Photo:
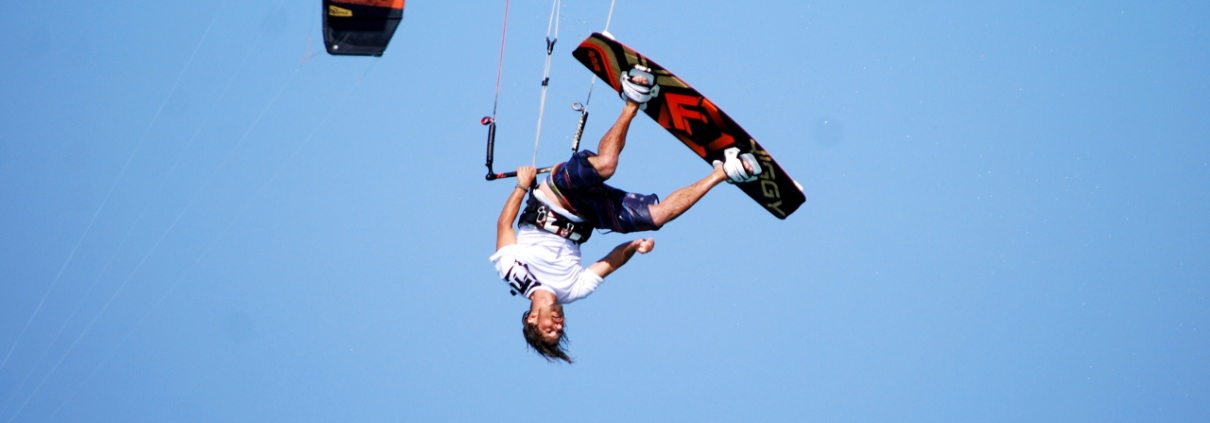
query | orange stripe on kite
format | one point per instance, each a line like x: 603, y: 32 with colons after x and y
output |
x: 392, y: 4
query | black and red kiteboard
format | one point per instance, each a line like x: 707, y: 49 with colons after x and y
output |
x: 695, y: 120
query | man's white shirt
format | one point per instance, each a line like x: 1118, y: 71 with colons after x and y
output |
x: 541, y: 260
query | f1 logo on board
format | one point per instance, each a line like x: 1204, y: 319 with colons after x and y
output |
x: 681, y: 111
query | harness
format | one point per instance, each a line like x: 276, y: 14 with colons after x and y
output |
x: 542, y: 217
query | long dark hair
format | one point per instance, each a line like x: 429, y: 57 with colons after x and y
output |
x: 551, y: 351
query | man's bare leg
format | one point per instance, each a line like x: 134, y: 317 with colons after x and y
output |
x: 606, y: 160
x: 682, y: 199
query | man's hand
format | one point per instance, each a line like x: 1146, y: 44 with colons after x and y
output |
x: 644, y: 246
x: 620, y: 255
x: 525, y: 176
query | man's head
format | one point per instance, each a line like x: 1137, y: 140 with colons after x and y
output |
x: 543, y: 331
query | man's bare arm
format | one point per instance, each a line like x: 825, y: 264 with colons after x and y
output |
x: 505, y: 234
x: 620, y: 255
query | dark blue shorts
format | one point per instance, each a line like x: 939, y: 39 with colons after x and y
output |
x: 605, y: 206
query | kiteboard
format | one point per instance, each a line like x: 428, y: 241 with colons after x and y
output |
x: 694, y: 120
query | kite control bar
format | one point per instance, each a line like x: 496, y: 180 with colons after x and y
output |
x: 513, y: 174
x: 491, y: 143
x: 491, y: 148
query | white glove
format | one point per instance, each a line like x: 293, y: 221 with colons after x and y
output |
x: 733, y: 165
x: 636, y: 92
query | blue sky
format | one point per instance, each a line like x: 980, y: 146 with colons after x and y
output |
x: 207, y: 218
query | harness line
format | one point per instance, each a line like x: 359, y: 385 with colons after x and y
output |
x: 552, y: 36
x: 583, y: 108
x: 550, y: 48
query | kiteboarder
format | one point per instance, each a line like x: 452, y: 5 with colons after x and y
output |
x: 540, y: 259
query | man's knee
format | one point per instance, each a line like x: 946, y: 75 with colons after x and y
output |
x: 659, y: 215
x: 605, y: 166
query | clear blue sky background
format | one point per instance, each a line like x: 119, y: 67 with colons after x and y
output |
x: 1007, y: 216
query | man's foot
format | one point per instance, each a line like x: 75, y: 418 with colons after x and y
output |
x: 740, y: 168
x: 638, y: 85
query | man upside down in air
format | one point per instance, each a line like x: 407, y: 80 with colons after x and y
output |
x: 540, y: 259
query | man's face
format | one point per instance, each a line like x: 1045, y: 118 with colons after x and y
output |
x: 549, y: 321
